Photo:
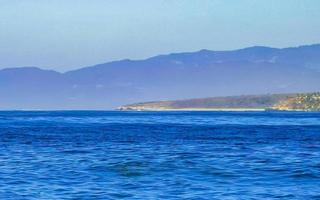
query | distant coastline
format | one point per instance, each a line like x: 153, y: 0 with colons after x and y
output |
x: 215, y: 110
x: 270, y: 102
x: 198, y: 109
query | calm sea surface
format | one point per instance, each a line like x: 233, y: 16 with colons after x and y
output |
x: 159, y: 155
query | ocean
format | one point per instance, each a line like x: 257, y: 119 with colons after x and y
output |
x: 159, y: 155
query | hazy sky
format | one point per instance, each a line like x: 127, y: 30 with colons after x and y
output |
x: 68, y: 34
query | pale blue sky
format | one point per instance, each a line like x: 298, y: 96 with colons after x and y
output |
x: 68, y: 34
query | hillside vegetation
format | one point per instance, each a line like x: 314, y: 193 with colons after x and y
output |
x: 307, y: 102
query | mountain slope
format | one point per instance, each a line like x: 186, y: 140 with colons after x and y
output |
x: 254, y: 70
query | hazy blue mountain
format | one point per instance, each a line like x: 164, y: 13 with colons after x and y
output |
x: 254, y: 70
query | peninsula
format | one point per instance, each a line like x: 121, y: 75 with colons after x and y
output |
x: 278, y: 102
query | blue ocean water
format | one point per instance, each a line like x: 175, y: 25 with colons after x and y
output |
x: 159, y: 155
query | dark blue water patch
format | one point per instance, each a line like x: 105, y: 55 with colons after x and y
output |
x: 167, y: 155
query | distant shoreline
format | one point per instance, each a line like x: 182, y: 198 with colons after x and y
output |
x: 214, y: 110
x: 166, y: 110
x: 201, y: 109
x: 303, y: 102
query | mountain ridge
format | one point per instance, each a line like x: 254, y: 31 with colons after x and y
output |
x: 169, y: 54
x: 251, y: 70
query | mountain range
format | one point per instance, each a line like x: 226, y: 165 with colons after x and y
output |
x: 205, y: 73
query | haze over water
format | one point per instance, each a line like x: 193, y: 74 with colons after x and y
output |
x: 152, y: 155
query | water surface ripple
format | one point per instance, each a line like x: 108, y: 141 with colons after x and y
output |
x: 159, y: 155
